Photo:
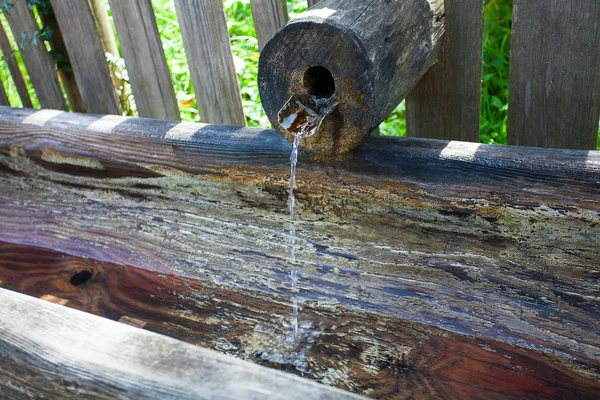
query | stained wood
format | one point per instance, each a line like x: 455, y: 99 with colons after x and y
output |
x: 375, y: 51
x: 446, y: 103
x: 145, y: 58
x: 554, y: 81
x: 494, y: 243
x: 268, y: 15
x: 38, y: 62
x: 208, y: 51
x: 53, y: 351
x: 359, y: 351
x: 87, y: 56
x: 67, y: 77
x: 13, y: 68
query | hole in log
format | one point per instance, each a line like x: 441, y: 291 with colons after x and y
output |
x: 319, y: 82
x: 81, y: 277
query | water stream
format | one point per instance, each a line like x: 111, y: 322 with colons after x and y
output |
x: 292, y: 209
x: 301, y: 116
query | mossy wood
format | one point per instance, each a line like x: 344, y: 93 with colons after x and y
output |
x: 375, y: 51
x: 428, y: 269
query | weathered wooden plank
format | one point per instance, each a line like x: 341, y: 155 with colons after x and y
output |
x: 208, y: 51
x: 3, y: 98
x: 360, y: 351
x: 145, y: 58
x: 495, y: 243
x: 268, y: 15
x: 87, y: 56
x: 13, y: 67
x: 554, y: 80
x: 56, y: 352
x: 67, y: 77
x: 38, y: 62
x: 352, y: 63
x: 446, y: 103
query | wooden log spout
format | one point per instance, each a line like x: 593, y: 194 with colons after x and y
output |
x: 360, y: 57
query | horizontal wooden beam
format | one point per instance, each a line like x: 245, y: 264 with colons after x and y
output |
x: 497, y: 243
x: 57, y: 352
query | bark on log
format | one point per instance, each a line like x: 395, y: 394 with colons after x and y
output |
x: 364, y: 56
x: 184, y: 228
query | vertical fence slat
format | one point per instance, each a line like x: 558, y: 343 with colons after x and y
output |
x: 208, y: 51
x: 67, y: 77
x: 37, y: 61
x: 446, y: 103
x: 268, y: 15
x: 87, y: 56
x: 13, y: 68
x: 145, y: 59
x: 554, y: 90
x: 3, y: 98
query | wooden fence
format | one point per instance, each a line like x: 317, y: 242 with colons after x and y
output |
x: 554, y: 81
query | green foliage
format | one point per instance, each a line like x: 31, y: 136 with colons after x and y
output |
x: 496, y: 56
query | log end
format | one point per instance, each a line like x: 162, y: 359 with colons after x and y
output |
x: 312, y: 58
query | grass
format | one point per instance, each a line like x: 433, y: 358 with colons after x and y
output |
x: 496, y: 53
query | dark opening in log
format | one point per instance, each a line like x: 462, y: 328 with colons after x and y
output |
x: 319, y: 82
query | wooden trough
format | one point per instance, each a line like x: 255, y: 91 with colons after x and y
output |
x: 427, y: 268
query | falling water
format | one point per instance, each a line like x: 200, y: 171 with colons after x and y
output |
x: 301, y: 117
x: 292, y: 208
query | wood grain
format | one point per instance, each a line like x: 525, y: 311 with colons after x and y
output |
x: 87, y: 57
x: 208, y: 51
x: 51, y: 351
x: 13, y: 67
x: 495, y: 243
x: 38, y: 62
x: 268, y: 15
x: 446, y: 103
x: 145, y: 58
x: 375, y: 51
x: 65, y: 72
x: 359, y: 351
x: 554, y: 80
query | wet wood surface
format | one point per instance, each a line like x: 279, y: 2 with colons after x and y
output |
x: 366, y: 353
x: 446, y: 255
x: 58, y: 353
